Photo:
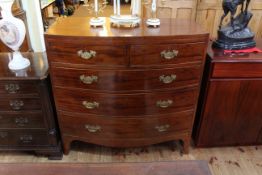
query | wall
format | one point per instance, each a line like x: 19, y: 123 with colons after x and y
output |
x: 209, y: 13
x: 205, y: 12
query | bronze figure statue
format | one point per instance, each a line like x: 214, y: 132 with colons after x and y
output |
x: 231, y: 6
x: 236, y: 34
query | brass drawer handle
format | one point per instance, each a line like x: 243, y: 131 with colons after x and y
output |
x: 168, y: 55
x: 167, y: 79
x: 3, y: 135
x: 162, y: 128
x: 88, y: 79
x: 164, y: 103
x: 12, y: 88
x: 90, y: 105
x: 21, y: 121
x: 86, y: 54
x: 93, y: 128
x: 16, y: 104
x: 26, y: 138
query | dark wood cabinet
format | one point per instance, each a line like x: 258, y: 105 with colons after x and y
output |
x: 230, y: 107
x: 27, y: 116
x: 126, y: 87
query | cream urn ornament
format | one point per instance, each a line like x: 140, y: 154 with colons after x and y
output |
x: 12, y: 34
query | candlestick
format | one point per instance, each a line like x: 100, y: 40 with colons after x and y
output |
x: 118, y: 7
x: 97, y: 21
x: 153, y: 21
x: 135, y: 6
x: 96, y: 6
x: 154, y: 6
x: 114, y: 7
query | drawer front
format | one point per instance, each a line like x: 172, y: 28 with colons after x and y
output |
x: 115, y: 127
x: 123, y: 80
x: 84, y: 101
x: 22, y: 120
x: 23, y: 138
x: 167, y: 54
x: 19, y: 104
x: 18, y: 87
x: 237, y: 70
x: 78, y: 53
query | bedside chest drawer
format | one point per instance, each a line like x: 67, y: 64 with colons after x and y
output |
x: 138, y: 127
x: 27, y: 116
x: 124, y: 80
x: 22, y: 120
x: 83, y: 101
x: 237, y: 70
x: 18, y: 104
x: 18, y: 87
x: 76, y: 53
x: 166, y: 54
x: 23, y: 137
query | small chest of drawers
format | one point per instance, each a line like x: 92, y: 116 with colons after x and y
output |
x: 230, y: 108
x: 126, y: 87
x: 27, y: 118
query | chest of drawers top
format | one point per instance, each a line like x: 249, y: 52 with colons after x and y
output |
x: 38, y: 69
x: 79, y: 26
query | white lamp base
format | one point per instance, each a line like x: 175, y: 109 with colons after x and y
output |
x: 125, y: 21
x: 96, y: 22
x: 18, y: 62
x: 155, y: 22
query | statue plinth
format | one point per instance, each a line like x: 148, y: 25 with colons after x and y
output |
x: 237, y: 40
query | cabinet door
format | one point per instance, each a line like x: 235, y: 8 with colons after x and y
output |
x: 232, y: 113
x: 181, y: 9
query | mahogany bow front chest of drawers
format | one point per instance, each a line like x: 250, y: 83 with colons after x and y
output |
x: 125, y: 87
x: 27, y: 118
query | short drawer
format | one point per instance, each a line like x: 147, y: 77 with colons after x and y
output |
x: 21, y: 138
x: 127, y: 80
x: 145, y: 55
x: 22, y: 120
x: 19, y: 104
x: 237, y: 70
x: 18, y: 87
x: 75, y: 52
x: 84, y: 101
x: 125, y: 128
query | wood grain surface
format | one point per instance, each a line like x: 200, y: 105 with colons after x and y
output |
x: 229, y: 111
x: 136, y: 76
x: 27, y: 118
